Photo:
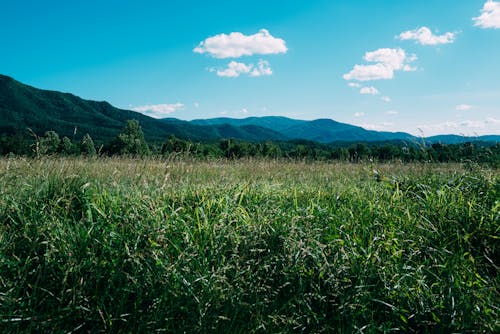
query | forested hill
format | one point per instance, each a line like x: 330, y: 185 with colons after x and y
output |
x: 23, y: 106
x: 319, y: 130
x: 330, y: 131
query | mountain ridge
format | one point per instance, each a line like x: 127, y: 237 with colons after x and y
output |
x: 23, y: 106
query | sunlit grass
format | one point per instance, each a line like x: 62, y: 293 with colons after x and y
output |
x: 123, y: 245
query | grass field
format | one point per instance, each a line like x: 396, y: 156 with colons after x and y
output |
x: 131, y: 246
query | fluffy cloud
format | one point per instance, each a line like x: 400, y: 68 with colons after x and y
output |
x: 490, y: 15
x: 465, y: 127
x: 463, y: 107
x: 354, y: 85
x: 359, y: 114
x: 262, y: 68
x: 159, y: 110
x: 235, y: 69
x: 424, y: 36
x: 387, y: 61
x: 384, y: 126
x: 370, y: 72
x: 369, y: 91
x: 391, y: 112
x: 236, y: 45
x: 492, y: 121
x: 386, y: 99
x: 393, y: 58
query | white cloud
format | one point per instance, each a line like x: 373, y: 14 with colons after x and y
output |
x: 387, y: 61
x: 463, y: 107
x: 159, y: 110
x: 386, y: 99
x: 359, y: 114
x: 262, y: 68
x: 490, y: 15
x: 465, y: 127
x: 369, y: 91
x: 394, y: 58
x: 370, y: 72
x: 391, y: 112
x: 384, y: 126
x: 473, y: 124
x: 235, y: 69
x: 493, y: 121
x: 237, y: 45
x: 354, y: 85
x: 424, y: 36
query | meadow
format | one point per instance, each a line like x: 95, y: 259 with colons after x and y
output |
x: 247, y: 246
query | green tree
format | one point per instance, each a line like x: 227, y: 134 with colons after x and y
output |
x: 87, y: 146
x: 49, y: 143
x: 67, y: 147
x: 131, y: 140
x: 176, y: 145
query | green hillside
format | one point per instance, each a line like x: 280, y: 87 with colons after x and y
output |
x: 23, y: 107
x: 455, y: 139
x: 320, y: 130
x: 277, y: 123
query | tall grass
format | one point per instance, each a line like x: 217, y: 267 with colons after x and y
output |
x: 120, y: 245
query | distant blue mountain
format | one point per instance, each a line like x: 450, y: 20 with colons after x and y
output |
x: 455, y: 139
x: 320, y: 130
x: 277, y: 123
x: 23, y: 107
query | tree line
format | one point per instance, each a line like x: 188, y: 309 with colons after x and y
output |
x: 130, y: 141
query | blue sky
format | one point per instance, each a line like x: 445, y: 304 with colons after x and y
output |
x: 418, y: 66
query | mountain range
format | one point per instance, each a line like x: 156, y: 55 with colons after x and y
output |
x: 23, y: 106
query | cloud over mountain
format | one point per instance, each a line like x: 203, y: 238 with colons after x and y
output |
x: 159, y: 110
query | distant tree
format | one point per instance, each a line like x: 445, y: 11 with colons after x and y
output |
x: 210, y: 150
x: 270, y: 150
x: 358, y: 152
x: 49, y: 143
x: 176, y: 145
x: 226, y: 146
x: 67, y: 147
x: 343, y: 154
x: 130, y: 140
x: 87, y: 146
x: 15, y: 144
x: 386, y: 152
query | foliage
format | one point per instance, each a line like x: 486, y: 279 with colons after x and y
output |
x: 23, y: 107
x: 67, y: 147
x: 87, y: 146
x: 130, y: 141
x: 49, y: 143
x: 247, y: 246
